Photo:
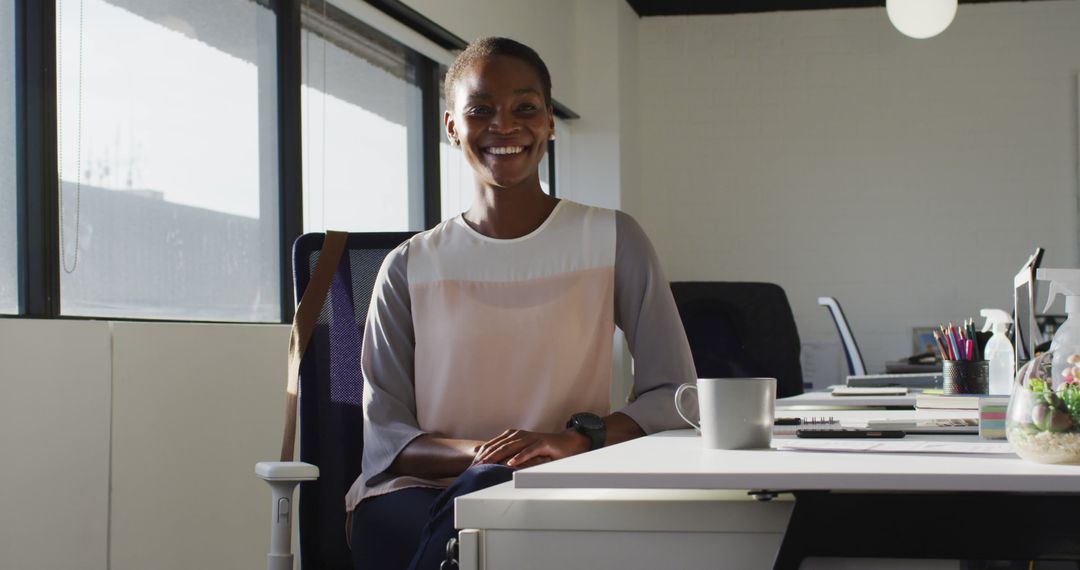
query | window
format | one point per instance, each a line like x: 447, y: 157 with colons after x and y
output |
x: 9, y: 268
x: 456, y: 178
x: 361, y: 127
x: 167, y: 153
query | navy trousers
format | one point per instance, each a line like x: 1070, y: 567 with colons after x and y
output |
x: 409, y: 529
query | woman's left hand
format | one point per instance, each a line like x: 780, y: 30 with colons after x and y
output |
x: 521, y: 448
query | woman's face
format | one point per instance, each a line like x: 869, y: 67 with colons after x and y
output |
x: 502, y: 121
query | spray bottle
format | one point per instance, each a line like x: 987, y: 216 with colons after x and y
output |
x: 999, y: 351
x: 1066, y: 343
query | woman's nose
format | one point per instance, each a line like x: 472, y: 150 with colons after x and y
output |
x: 504, y: 122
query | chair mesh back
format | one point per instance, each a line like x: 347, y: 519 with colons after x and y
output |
x: 741, y: 330
x: 331, y: 392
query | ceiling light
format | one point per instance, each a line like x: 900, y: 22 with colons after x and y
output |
x: 921, y: 18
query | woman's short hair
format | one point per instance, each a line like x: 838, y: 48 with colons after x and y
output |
x: 486, y: 47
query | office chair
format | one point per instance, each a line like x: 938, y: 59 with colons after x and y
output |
x: 741, y: 329
x: 855, y: 364
x: 330, y: 391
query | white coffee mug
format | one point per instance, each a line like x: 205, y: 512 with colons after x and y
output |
x: 736, y: 413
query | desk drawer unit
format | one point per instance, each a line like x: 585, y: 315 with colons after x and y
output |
x: 618, y: 529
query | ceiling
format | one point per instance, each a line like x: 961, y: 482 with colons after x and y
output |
x: 697, y: 7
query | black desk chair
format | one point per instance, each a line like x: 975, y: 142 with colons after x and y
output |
x: 741, y: 329
x: 331, y: 391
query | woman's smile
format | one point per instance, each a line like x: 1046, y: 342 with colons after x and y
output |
x: 504, y: 150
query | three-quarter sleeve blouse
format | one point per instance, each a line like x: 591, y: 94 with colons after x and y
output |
x: 468, y: 336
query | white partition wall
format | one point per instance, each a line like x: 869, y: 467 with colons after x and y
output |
x: 195, y: 407
x: 54, y: 439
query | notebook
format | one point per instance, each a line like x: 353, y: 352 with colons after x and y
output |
x: 947, y: 401
x: 940, y: 425
x: 869, y: 391
x: 788, y: 426
x: 913, y: 380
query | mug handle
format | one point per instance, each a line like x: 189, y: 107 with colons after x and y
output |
x: 678, y: 405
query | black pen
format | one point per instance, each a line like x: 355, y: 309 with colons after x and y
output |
x: 850, y: 433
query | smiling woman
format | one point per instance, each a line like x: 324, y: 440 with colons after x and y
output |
x: 488, y: 346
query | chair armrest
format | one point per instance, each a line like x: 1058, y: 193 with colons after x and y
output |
x: 286, y: 471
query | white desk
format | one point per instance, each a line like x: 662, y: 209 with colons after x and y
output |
x: 675, y: 460
x: 661, y: 501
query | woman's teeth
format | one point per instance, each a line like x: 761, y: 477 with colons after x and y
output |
x: 505, y: 149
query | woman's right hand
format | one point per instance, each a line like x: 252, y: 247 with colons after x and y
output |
x: 519, y: 448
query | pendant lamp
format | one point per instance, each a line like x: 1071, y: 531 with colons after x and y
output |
x: 921, y: 19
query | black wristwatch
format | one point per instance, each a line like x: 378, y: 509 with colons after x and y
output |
x: 591, y: 426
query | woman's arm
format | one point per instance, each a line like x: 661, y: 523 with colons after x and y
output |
x: 620, y: 428
x: 433, y: 457
x: 645, y: 311
x: 387, y: 360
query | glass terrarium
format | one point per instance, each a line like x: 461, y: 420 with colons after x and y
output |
x: 1043, y: 421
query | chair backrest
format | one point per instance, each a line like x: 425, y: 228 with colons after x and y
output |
x: 855, y: 363
x: 331, y: 389
x: 741, y: 329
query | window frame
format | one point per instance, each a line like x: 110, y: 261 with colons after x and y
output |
x: 37, y: 177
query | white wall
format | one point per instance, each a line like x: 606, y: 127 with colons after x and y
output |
x: 133, y: 445
x: 826, y: 152
x: 194, y: 408
x: 547, y: 27
x: 55, y: 381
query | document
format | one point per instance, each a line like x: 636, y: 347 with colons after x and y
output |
x: 892, y: 446
x: 867, y: 391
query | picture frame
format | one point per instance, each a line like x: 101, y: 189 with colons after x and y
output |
x: 922, y: 340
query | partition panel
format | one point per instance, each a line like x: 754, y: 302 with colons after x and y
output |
x: 54, y: 438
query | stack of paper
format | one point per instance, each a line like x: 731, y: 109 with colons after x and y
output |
x: 947, y: 401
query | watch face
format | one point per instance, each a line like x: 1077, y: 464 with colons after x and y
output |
x: 589, y: 421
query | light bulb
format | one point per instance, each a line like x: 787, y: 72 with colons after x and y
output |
x: 921, y: 19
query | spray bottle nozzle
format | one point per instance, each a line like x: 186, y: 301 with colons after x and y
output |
x: 1062, y: 282
x: 995, y: 319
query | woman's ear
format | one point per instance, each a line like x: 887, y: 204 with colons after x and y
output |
x: 451, y: 128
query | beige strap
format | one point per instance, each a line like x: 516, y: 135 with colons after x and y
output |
x: 307, y: 313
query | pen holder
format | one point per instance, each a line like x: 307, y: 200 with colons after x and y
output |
x: 966, y: 376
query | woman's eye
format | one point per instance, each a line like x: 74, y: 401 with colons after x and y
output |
x: 527, y: 107
x: 480, y: 111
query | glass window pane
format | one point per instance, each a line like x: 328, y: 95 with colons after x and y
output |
x: 362, y: 134
x: 456, y: 177
x: 9, y: 286
x: 168, y: 159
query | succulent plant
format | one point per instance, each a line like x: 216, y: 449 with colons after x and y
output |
x: 1040, y: 415
x: 1058, y: 421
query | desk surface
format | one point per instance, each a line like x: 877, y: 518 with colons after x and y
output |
x: 675, y: 460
